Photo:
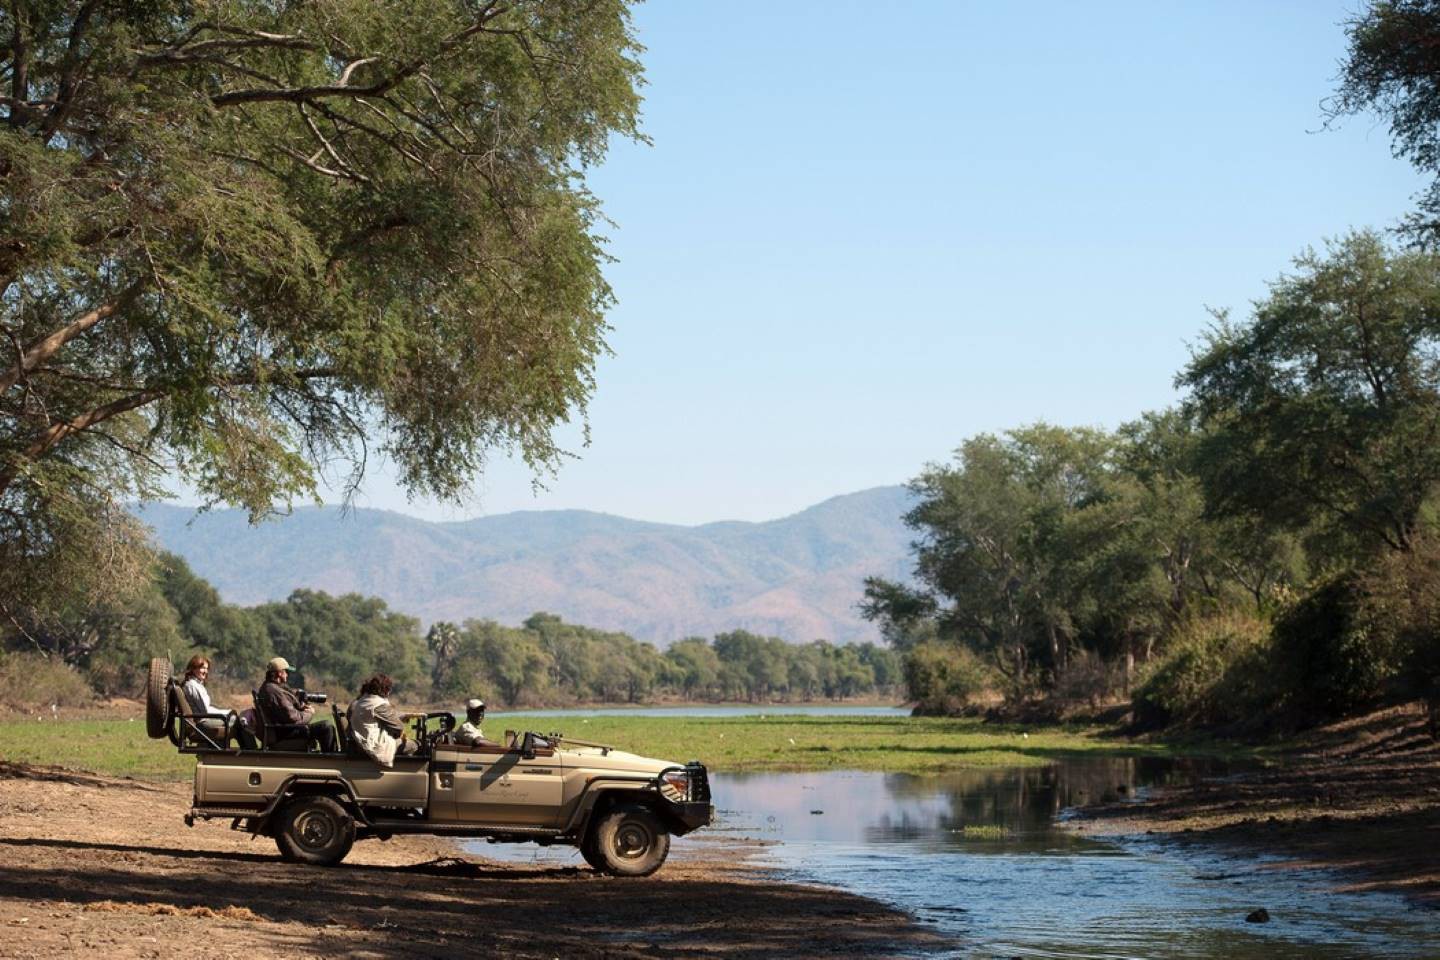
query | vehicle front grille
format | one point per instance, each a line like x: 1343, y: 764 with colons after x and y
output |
x: 699, y: 782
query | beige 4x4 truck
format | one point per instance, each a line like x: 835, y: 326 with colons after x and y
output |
x: 618, y: 808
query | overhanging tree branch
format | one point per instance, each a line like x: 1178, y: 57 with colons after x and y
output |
x: 43, y: 349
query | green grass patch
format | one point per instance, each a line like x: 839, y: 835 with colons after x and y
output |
x: 725, y: 744
x: 115, y: 747
x: 893, y: 744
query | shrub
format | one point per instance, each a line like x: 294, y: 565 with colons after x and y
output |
x: 30, y: 681
x: 944, y: 677
x: 1215, y: 671
x: 1086, y: 677
x: 1338, y: 647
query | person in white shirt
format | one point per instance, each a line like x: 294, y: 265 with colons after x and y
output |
x: 469, y: 732
x: 208, y: 717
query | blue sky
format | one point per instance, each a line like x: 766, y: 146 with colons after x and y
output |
x: 865, y: 232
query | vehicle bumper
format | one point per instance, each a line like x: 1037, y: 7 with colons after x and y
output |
x: 692, y: 815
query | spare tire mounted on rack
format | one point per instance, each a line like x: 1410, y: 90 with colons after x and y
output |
x: 157, y: 698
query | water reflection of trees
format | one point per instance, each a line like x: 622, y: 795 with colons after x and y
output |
x: 1022, y: 801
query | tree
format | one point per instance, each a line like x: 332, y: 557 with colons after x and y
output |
x: 511, y: 659
x: 1325, y: 407
x: 1005, y: 537
x: 697, y: 665
x: 443, y: 642
x: 1393, y: 69
x: 241, y: 239
x: 232, y: 635
x: 345, y: 639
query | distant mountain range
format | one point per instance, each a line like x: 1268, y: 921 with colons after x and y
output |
x: 799, y: 577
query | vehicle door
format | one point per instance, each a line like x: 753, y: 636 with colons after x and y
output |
x: 444, y: 763
x: 508, y: 786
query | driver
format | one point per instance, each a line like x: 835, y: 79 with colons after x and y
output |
x: 469, y: 732
x: 375, y: 726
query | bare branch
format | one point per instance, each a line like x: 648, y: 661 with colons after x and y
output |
x: 52, y: 435
x: 379, y: 88
x: 328, y: 148
x: 43, y: 349
x: 352, y: 65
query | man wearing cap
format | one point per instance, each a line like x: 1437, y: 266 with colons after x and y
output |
x: 469, y: 732
x: 282, y: 707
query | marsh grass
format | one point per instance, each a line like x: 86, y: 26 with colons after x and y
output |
x: 725, y: 744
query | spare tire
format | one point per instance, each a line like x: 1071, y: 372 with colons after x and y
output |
x: 157, y: 698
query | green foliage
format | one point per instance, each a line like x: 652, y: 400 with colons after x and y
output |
x: 235, y: 638
x: 1393, y: 69
x: 250, y: 240
x: 1216, y: 670
x: 511, y: 661
x: 944, y: 678
x: 1056, y: 553
x: 1322, y: 410
x: 1337, y: 647
x: 343, y: 639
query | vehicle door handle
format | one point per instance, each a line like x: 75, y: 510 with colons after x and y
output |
x: 474, y: 766
x: 447, y: 780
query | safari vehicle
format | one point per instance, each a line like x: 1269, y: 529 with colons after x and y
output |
x: 619, y: 809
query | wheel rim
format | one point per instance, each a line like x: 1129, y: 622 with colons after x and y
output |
x: 632, y: 841
x: 315, y: 829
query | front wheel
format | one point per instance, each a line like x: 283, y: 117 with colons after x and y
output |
x: 315, y: 830
x: 629, y: 842
x: 592, y: 855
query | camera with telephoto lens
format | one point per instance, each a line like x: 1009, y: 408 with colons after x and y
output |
x: 312, y: 697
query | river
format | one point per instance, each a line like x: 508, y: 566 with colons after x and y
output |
x: 981, y: 856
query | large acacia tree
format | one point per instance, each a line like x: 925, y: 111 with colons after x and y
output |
x: 1392, y: 69
x: 1323, y: 409
x: 254, y: 240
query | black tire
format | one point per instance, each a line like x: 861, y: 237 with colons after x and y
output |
x: 157, y: 698
x: 630, y: 842
x: 591, y: 855
x: 315, y: 830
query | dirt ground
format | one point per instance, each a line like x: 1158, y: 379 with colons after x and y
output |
x: 1361, y: 797
x: 94, y: 865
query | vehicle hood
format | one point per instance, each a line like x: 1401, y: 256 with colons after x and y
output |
x: 617, y: 760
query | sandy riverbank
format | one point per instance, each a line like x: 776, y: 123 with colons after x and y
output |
x: 1361, y: 797
x: 94, y: 865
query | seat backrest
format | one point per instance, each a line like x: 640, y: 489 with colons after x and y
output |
x: 262, y: 728
x: 342, y: 729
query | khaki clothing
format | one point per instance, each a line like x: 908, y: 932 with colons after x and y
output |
x: 376, y: 727
x: 469, y: 733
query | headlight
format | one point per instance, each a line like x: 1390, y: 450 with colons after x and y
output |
x: 675, y: 786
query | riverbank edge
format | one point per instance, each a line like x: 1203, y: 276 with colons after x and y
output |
x: 1360, y: 797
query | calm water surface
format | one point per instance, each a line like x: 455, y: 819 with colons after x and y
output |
x: 977, y: 854
x: 724, y: 710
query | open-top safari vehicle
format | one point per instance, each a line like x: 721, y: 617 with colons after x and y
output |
x: 618, y: 808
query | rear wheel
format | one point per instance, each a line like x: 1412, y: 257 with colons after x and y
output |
x: 157, y: 698
x: 315, y: 830
x: 629, y: 841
